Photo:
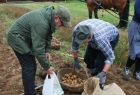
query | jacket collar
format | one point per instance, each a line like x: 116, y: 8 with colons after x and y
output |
x: 49, y: 15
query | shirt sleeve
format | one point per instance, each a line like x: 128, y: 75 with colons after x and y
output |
x: 137, y: 7
x: 105, y: 47
x: 48, y: 42
x: 38, y: 35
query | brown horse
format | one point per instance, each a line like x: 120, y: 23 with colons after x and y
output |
x: 94, y: 5
x: 3, y: 1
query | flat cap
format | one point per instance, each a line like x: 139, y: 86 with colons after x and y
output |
x: 64, y: 15
x: 81, y: 33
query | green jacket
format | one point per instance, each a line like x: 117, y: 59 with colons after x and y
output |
x: 32, y: 34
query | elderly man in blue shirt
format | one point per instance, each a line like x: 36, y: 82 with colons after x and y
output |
x: 134, y: 44
x: 102, y: 38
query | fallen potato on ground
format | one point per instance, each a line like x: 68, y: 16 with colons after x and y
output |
x: 55, y: 44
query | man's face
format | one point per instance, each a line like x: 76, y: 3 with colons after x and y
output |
x: 88, y: 39
x: 58, y: 21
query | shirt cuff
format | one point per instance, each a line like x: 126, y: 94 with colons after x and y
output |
x: 108, y: 62
x: 74, y: 50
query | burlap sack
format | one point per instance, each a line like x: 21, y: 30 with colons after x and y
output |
x: 91, y: 87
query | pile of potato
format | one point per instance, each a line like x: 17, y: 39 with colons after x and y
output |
x: 72, y: 79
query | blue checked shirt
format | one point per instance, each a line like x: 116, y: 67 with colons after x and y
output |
x: 102, y: 34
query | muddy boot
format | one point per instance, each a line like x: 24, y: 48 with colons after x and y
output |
x: 137, y: 69
x: 126, y: 73
x: 137, y: 75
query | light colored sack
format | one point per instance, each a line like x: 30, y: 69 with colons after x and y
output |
x: 91, y: 87
x: 52, y: 86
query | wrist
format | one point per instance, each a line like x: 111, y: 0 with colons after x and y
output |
x: 46, y: 68
x: 106, y: 67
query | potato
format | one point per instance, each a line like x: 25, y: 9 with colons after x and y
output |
x: 72, y: 79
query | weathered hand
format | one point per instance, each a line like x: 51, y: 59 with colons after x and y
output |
x: 75, y: 55
x: 76, y: 63
x: 102, y: 79
x: 45, y: 72
x: 50, y: 71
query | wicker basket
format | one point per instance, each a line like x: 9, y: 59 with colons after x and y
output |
x: 77, y: 88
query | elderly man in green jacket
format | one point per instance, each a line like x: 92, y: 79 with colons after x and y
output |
x: 30, y: 36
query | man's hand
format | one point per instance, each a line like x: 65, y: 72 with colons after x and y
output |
x: 102, y: 79
x: 50, y: 71
x: 76, y: 64
x: 45, y: 72
x: 75, y: 55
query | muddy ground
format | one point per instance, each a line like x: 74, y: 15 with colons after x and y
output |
x: 10, y: 73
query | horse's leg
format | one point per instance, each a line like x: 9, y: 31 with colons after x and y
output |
x: 96, y: 13
x: 124, y: 15
x: 123, y: 19
x: 120, y: 21
x: 90, y: 14
x: 90, y: 9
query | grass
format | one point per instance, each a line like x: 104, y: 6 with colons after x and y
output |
x: 121, y: 51
x: 10, y: 12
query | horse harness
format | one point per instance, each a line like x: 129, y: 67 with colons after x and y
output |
x: 98, y: 3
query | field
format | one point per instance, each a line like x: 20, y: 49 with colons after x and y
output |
x: 10, y: 71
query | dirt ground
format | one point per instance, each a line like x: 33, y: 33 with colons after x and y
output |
x: 10, y: 77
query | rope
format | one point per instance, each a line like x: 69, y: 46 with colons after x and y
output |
x: 109, y: 11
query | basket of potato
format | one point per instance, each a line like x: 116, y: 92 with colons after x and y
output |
x: 71, y: 80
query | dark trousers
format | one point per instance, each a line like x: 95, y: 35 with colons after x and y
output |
x: 95, y: 58
x: 28, y: 66
x: 130, y: 62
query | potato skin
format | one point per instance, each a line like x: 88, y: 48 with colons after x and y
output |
x: 72, y: 79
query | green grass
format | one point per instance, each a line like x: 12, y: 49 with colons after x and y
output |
x: 10, y: 12
x: 121, y: 51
